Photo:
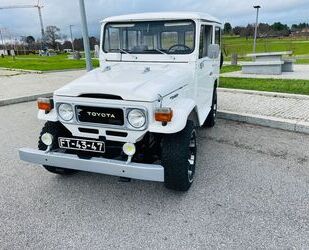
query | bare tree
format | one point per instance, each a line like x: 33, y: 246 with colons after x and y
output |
x: 52, y: 33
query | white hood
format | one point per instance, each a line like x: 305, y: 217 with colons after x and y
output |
x: 131, y: 81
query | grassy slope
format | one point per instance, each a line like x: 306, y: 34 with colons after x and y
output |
x: 242, y: 46
x: 271, y: 85
x: 34, y: 62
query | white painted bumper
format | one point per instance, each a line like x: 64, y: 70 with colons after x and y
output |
x: 149, y: 172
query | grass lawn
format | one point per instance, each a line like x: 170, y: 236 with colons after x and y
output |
x: 302, y: 61
x: 243, y: 46
x: 35, y: 62
x: 230, y: 68
x: 271, y: 85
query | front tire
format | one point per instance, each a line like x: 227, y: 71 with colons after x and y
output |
x: 179, y: 158
x: 56, y: 129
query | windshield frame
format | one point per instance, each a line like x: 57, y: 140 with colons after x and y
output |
x: 152, y: 52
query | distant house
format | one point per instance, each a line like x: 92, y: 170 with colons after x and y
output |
x: 303, y: 32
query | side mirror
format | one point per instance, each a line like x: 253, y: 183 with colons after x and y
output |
x: 213, y: 51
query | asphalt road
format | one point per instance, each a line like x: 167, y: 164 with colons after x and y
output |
x: 251, y: 191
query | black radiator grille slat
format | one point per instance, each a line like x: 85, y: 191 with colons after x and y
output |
x: 100, y: 115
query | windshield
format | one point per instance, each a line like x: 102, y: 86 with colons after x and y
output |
x: 153, y: 37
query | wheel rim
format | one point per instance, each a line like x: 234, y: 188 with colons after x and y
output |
x: 192, y: 156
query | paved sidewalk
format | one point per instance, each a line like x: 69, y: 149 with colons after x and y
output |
x: 14, y: 84
x: 301, y: 72
x: 289, y: 112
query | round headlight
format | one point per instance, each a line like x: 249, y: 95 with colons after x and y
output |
x: 136, y: 118
x: 65, y: 111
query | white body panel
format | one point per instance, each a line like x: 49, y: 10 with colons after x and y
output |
x: 184, y: 83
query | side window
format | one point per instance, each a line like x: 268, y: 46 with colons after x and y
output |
x: 218, y: 36
x: 205, y: 40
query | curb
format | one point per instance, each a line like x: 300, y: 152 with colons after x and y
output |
x: 22, y: 70
x: 266, y: 121
x: 23, y: 99
x: 41, y: 71
x: 62, y: 70
x: 265, y: 93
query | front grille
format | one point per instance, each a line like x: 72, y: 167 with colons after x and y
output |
x: 110, y: 116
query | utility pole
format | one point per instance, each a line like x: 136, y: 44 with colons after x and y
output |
x: 257, y: 7
x: 2, y: 40
x: 85, y: 35
x: 72, y: 41
x: 41, y: 21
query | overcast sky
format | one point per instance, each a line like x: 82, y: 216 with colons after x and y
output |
x: 62, y: 13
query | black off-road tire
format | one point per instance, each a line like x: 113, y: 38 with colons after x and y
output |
x: 211, y: 118
x: 175, y: 155
x: 57, y: 130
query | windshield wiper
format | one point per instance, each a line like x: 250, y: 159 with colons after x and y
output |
x: 126, y: 52
x: 162, y: 52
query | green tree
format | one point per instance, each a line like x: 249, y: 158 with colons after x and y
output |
x: 227, y: 28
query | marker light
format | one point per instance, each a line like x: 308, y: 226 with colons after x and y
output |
x: 163, y: 114
x: 129, y: 149
x: 45, y: 104
x: 47, y: 139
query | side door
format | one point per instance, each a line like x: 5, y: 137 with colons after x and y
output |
x: 204, y: 72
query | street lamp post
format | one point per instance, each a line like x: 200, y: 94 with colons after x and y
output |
x: 72, y: 41
x: 85, y: 35
x: 257, y: 7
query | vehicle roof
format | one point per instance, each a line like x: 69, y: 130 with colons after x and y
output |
x: 147, y: 16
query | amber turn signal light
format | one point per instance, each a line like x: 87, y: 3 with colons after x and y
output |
x: 45, y: 104
x: 163, y: 114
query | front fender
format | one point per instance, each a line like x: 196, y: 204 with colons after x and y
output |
x: 51, y: 116
x: 182, y: 108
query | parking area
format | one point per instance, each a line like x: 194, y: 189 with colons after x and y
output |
x: 251, y: 191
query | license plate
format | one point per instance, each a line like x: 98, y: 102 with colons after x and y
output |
x: 82, y: 145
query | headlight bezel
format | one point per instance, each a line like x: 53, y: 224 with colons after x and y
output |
x: 59, y: 105
x: 130, y: 125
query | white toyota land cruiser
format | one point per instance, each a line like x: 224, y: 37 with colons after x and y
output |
x: 136, y: 115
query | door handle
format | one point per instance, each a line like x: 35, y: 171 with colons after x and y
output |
x: 211, y: 73
x: 202, y: 65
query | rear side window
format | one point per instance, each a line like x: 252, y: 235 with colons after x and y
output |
x: 218, y: 36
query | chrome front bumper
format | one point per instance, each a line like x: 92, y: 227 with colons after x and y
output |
x: 149, y: 172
